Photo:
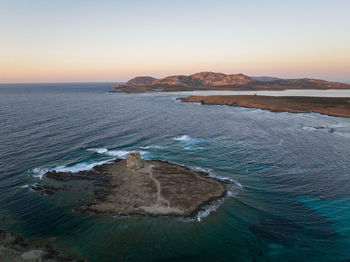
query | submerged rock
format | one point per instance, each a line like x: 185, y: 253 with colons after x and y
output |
x: 33, y: 254
x: 14, y: 248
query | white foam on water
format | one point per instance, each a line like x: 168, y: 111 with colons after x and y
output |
x: 281, y: 142
x: 188, y: 139
x: 238, y: 184
x: 83, y: 166
x: 98, y: 150
x: 209, y: 208
x: 24, y: 186
x: 123, y: 153
x: 231, y: 191
x: 183, y: 138
x: 115, y: 153
x: 204, y: 213
x: 86, y: 165
x: 309, y: 128
x: 200, y: 169
x: 323, y: 127
x: 190, y: 148
x: 152, y: 147
x: 39, y: 172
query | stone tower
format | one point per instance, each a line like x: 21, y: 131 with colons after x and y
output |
x: 133, y: 161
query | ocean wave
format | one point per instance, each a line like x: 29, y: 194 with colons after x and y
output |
x: 98, y: 150
x: 152, y: 147
x: 324, y: 129
x: 188, y: 139
x: 39, y: 172
x: 123, y: 153
x: 280, y: 142
x: 212, y: 174
x: 213, y: 206
x: 258, y: 110
x: 206, y: 211
x: 189, y: 148
x: 232, y: 187
x: 182, y: 138
x: 115, y: 153
x: 200, y: 169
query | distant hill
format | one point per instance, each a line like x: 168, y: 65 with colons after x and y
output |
x: 264, y: 78
x: 140, y: 80
x: 220, y: 81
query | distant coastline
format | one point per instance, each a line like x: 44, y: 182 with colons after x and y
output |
x: 218, y: 81
x: 332, y: 106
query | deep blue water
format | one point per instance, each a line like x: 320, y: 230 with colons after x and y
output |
x: 291, y: 200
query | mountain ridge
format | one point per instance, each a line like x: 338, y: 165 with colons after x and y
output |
x: 221, y: 81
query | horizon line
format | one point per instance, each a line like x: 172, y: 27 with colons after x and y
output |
x: 123, y: 82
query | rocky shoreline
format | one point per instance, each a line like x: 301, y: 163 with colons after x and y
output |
x: 14, y: 248
x: 332, y: 106
x: 134, y: 186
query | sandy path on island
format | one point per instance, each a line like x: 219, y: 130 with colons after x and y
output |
x: 162, y: 205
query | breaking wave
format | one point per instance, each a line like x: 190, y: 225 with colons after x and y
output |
x: 153, y: 147
x: 186, y: 139
x: 232, y: 187
x: 115, y: 153
x: 98, y: 150
x: 39, y: 172
x: 325, y: 128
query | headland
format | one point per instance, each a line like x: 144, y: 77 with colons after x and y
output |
x: 333, y: 106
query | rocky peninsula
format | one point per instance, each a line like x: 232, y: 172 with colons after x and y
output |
x: 333, y: 106
x: 220, y: 81
x: 134, y: 186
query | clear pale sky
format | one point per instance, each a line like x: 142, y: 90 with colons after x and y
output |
x: 85, y: 40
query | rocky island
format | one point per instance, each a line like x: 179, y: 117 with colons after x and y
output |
x: 220, y: 81
x: 333, y: 106
x: 134, y: 186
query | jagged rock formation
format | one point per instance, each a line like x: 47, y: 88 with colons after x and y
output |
x: 220, y: 81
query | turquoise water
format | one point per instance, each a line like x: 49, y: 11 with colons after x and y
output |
x: 290, y: 199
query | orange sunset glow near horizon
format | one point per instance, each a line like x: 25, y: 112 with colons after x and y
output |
x: 108, y: 41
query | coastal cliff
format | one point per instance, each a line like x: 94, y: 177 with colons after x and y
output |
x: 220, y: 81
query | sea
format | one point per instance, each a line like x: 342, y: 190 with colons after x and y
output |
x: 289, y: 198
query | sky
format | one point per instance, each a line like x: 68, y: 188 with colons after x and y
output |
x: 106, y: 41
